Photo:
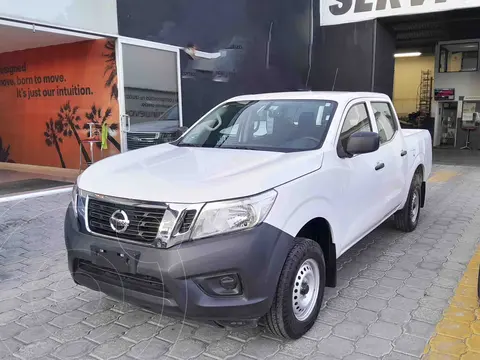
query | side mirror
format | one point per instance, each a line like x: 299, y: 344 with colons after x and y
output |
x: 363, y: 143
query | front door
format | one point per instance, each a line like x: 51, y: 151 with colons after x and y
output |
x: 359, y: 179
x: 151, y: 110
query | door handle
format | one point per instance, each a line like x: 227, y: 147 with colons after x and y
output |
x: 403, y: 153
x: 379, y: 166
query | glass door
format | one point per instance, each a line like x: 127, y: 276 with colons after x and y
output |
x: 149, y: 93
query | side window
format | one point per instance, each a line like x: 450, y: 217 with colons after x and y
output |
x: 386, y: 122
x: 357, y: 120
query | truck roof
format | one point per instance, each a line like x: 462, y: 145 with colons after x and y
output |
x: 339, y: 96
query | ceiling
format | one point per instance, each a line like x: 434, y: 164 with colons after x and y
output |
x: 20, y: 38
x: 423, y: 31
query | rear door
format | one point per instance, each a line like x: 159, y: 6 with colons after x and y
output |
x: 392, y: 151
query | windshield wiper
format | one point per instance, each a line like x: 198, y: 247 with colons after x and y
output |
x: 189, y: 145
x: 237, y: 147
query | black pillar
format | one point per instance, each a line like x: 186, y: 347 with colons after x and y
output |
x: 353, y: 57
x: 383, y: 66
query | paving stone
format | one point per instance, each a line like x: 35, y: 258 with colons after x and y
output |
x: 244, y: 335
x: 117, y: 347
x: 318, y: 331
x: 372, y: 303
x: 382, y: 292
x: 37, y: 318
x: 300, y: 348
x: 36, y: 333
x: 350, y: 330
x: 210, y: 334
x: 427, y: 315
x: 390, y: 282
x: 71, y: 333
x: 411, y: 345
x: 9, y: 330
x: 134, y: 318
x: 37, y: 349
x: 68, y: 319
x: 142, y: 332
x: 419, y: 329
x: 373, y: 346
x: 411, y: 292
x: 224, y: 348
x: 261, y: 348
x: 385, y: 330
x: 186, y: 349
x: 363, y: 283
x: 176, y: 332
x: 433, y: 303
x: 102, y: 318
x: 394, y: 316
x: 336, y: 347
x: 402, y: 303
x: 353, y: 292
x: 106, y: 333
x: 362, y: 316
x: 74, y: 350
x: 341, y: 304
x: 9, y: 347
x: 439, y: 292
x: 331, y: 317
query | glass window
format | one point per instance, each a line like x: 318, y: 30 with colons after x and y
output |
x: 386, y: 123
x: 277, y: 125
x: 458, y: 57
x: 357, y: 120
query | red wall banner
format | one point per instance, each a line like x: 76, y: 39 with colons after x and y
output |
x: 49, y: 95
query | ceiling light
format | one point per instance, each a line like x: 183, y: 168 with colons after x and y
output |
x: 410, y: 54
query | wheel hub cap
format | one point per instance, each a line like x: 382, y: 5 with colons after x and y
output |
x: 305, y: 289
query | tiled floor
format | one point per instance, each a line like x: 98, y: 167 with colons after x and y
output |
x: 393, y: 290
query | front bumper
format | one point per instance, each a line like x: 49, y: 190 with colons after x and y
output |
x: 167, y: 280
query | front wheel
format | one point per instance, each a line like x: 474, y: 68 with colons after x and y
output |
x: 300, y: 291
x: 407, y: 219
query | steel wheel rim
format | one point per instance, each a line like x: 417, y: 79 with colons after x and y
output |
x: 415, y: 207
x: 305, y: 289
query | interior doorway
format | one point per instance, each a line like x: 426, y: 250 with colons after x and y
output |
x: 448, y: 120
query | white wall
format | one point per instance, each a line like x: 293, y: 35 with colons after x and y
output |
x: 93, y: 15
x: 464, y: 83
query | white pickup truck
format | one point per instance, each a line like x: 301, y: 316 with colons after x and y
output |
x: 245, y: 215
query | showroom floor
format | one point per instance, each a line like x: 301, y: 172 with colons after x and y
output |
x: 397, y: 295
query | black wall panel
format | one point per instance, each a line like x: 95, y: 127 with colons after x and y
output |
x: 345, y: 50
x: 268, y: 43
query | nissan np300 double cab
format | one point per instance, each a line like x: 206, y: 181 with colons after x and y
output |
x: 244, y: 216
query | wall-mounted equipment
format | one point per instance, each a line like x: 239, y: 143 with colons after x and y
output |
x: 444, y: 94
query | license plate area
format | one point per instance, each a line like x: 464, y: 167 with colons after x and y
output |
x: 117, y: 259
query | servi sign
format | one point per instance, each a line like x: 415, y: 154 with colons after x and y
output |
x: 333, y: 12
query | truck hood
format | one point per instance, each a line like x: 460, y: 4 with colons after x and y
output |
x: 167, y: 173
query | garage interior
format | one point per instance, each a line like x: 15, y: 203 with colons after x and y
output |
x: 417, y: 76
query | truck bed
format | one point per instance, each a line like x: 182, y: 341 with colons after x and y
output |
x: 419, y: 142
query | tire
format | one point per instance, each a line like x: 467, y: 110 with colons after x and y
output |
x: 404, y: 219
x: 282, y: 320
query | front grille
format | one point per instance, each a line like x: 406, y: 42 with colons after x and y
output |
x: 144, y: 221
x: 141, y: 140
x: 137, y: 282
x: 187, y: 221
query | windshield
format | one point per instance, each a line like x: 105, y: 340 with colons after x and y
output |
x: 279, y: 125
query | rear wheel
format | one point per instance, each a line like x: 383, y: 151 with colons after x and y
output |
x: 407, y: 219
x: 300, y: 291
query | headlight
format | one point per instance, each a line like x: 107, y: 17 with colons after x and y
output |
x: 227, y: 216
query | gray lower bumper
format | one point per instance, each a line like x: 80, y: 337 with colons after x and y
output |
x: 256, y: 256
